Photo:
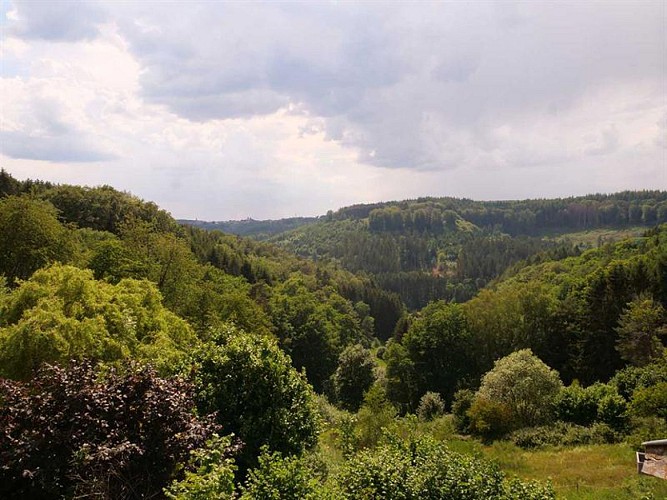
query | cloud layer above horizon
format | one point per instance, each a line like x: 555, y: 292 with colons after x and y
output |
x: 219, y: 110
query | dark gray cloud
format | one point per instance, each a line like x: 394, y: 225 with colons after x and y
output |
x: 67, y: 148
x: 46, y: 136
x: 57, y: 20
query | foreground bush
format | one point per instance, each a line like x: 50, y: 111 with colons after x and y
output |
x: 283, y: 478
x: 210, y: 475
x: 256, y: 394
x: 77, y: 432
x: 407, y: 469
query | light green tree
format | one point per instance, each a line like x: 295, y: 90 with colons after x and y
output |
x: 62, y: 313
x: 524, y: 385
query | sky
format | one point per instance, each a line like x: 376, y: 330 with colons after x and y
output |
x: 228, y: 110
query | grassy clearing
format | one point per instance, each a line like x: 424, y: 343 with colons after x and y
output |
x: 591, y: 239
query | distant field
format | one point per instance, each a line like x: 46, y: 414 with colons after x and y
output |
x: 582, y: 472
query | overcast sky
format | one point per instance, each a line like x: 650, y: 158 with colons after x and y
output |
x: 228, y: 110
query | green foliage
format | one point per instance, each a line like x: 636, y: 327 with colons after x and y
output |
x: 650, y: 401
x: 490, y: 419
x: 462, y: 402
x: 104, y: 208
x: 401, y: 377
x: 440, y: 346
x: 567, y: 311
x: 77, y: 433
x: 111, y: 261
x: 628, y: 380
x: 521, y: 384
x: 640, y: 328
x: 421, y: 468
x: 354, y: 376
x: 30, y: 237
x: 283, y: 478
x: 515, y: 489
x: 595, y: 403
x: 313, y: 327
x: 256, y: 394
x: 612, y: 410
x: 577, y: 405
x: 256, y: 229
x: 563, y: 434
x: 210, y: 473
x: 375, y: 415
x: 645, y: 429
x: 430, y: 406
x: 444, y: 248
x: 63, y: 313
x: 513, y: 318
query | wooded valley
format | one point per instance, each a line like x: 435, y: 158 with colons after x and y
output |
x: 379, y: 351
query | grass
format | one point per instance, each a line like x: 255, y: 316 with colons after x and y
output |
x: 582, y: 472
x: 605, y: 472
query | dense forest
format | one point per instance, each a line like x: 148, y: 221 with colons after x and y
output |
x: 447, y: 248
x: 359, y: 355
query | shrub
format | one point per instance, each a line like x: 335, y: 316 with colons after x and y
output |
x: 430, y: 406
x: 646, y: 429
x: 576, y: 405
x: 422, y: 468
x: 612, y: 410
x: 210, y: 475
x: 77, y: 432
x: 629, y: 379
x: 375, y: 414
x: 462, y: 401
x: 563, y: 434
x: 596, y: 403
x: 490, y: 419
x: 62, y: 312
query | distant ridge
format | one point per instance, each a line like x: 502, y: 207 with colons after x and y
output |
x: 258, y: 229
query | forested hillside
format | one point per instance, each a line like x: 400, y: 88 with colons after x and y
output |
x: 446, y: 248
x: 143, y: 358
